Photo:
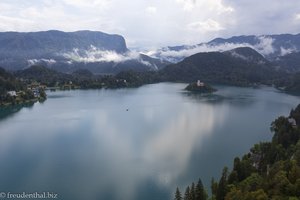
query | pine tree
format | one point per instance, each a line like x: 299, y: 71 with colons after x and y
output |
x: 222, y: 187
x: 178, y: 195
x: 200, y: 192
x: 214, y: 188
x: 192, y: 192
x: 187, y: 194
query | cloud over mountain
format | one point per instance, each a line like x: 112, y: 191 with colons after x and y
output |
x: 96, y: 55
x: 263, y: 46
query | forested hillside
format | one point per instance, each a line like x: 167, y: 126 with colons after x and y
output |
x: 270, y: 170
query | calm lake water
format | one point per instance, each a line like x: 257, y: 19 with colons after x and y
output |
x: 85, y: 144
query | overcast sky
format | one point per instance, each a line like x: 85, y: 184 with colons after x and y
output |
x: 154, y: 23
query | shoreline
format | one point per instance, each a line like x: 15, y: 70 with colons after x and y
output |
x: 11, y: 104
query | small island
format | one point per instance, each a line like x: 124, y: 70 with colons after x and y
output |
x: 200, y: 87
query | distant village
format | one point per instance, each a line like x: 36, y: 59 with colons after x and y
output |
x: 36, y: 91
x: 35, y: 88
x: 33, y: 92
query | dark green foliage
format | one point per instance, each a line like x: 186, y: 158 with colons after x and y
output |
x: 85, y: 79
x: 271, y: 170
x: 192, y: 192
x: 291, y: 84
x: 43, y: 75
x: 289, y: 62
x: 237, y: 173
x: 197, y: 192
x: 178, y: 195
x: 27, y: 95
x: 222, y: 186
x: 8, y: 82
x: 43, y: 94
x: 233, y: 177
x: 284, y: 133
x: 187, y: 193
x: 214, y: 188
x: 295, y: 113
x: 200, y: 193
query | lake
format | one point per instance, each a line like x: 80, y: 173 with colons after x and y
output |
x: 132, y: 144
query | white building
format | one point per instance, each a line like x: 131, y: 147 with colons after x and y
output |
x: 12, y: 93
x: 200, y: 84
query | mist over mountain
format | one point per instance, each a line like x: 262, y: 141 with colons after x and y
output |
x: 290, y: 62
x: 103, y: 53
x: 68, y: 51
x: 270, y: 46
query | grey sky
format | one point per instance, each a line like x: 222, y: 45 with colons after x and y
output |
x: 154, y: 23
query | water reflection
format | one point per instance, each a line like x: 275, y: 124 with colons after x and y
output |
x: 173, y: 144
x: 223, y: 95
x: 10, y: 110
x: 87, y: 145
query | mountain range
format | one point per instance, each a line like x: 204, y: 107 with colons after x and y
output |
x: 273, y: 47
x: 237, y: 60
x: 241, y: 66
x: 68, y: 51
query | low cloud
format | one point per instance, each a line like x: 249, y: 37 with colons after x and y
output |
x: 43, y: 60
x: 264, y: 46
x: 175, y: 56
x: 96, y: 55
x: 237, y: 55
x: 285, y: 51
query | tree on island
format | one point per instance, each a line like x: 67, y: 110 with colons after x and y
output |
x: 200, y: 87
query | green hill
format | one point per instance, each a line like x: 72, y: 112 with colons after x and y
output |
x: 242, y: 66
x: 292, y: 84
x: 8, y: 82
x: 43, y: 75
